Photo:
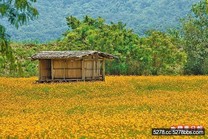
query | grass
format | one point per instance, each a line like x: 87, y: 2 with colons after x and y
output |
x: 121, y: 107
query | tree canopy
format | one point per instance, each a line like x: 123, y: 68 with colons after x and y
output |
x: 195, y: 31
x: 151, y: 55
x: 17, y: 13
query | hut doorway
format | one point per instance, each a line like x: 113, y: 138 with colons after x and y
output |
x: 45, y: 69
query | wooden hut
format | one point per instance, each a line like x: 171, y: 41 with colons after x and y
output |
x: 71, y: 65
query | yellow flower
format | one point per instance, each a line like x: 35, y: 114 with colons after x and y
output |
x: 121, y: 107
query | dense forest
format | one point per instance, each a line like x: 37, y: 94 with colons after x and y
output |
x: 175, y: 51
x: 140, y: 16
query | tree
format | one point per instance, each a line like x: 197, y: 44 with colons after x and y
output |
x: 17, y: 12
x: 161, y: 54
x: 195, y: 31
x: 155, y: 54
x: 207, y: 6
x: 95, y: 34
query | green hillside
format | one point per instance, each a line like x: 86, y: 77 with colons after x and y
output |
x: 140, y: 15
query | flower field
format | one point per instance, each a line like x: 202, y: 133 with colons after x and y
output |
x: 120, y: 107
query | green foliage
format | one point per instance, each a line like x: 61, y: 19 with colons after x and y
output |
x: 95, y: 34
x: 195, y: 29
x: 152, y: 55
x: 155, y: 54
x: 17, y: 12
x: 160, y: 54
x: 3, y: 40
x: 7, y: 59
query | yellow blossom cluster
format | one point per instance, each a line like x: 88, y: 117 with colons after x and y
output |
x: 120, y: 107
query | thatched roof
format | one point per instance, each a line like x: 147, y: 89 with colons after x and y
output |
x: 69, y: 54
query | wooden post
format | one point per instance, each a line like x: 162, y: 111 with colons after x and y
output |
x: 96, y: 67
x: 39, y: 67
x: 64, y: 69
x: 52, y: 71
x: 103, y: 69
x: 93, y: 68
x: 83, y: 70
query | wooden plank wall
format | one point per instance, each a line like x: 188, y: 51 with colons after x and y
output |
x: 67, y: 69
x: 92, y: 67
x: 89, y: 67
x: 73, y: 69
x: 58, y: 69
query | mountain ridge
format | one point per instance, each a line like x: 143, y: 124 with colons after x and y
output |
x: 140, y: 15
